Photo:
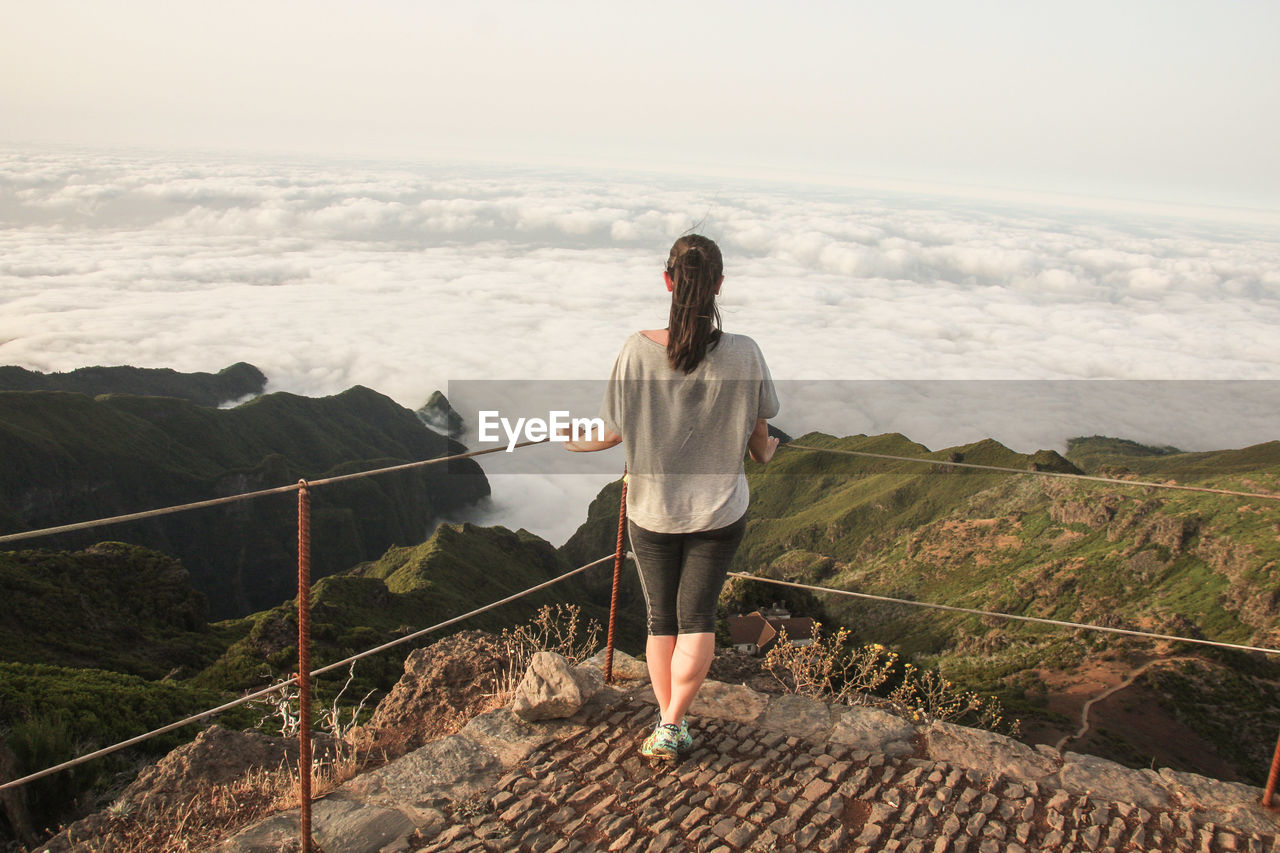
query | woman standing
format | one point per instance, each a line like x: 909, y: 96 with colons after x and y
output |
x: 687, y: 402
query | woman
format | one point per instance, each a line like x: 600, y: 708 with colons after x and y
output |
x: 686, y: 401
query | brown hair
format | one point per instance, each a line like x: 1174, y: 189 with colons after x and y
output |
x: 695, y: 267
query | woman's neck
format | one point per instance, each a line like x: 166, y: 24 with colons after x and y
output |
x: 658, y: 336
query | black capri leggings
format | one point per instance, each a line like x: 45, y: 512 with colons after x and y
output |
x: 682, y: 574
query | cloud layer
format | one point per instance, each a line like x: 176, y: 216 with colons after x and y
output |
x: 405, y: 278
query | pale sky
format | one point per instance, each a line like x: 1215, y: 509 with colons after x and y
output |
x: 1170, y: 100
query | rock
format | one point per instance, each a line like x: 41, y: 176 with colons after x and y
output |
x: 1201, y: 792
x: 986, y: 752
x: 276, y: 833
x: 507, y: 736
x: 339, y: 823
x: 797, y: 716
x: 625, y: 667
x: 217, y: 756
x: 452, y: 767
x: 552, y: 689
x: 443, y: 684
x: 1249, y: 817
x: 871, y: 730
x: 439, y: 416
x: 1102, y: 779
x: 728, y: 702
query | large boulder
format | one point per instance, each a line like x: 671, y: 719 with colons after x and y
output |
x: 443, y: 686
x: 553, y: 689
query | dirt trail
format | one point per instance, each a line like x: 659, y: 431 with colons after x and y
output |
x: 1112, y: 690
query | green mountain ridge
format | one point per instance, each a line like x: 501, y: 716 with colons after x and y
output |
x: 460, y: 567
x: 113, y: 606
x: 69, y: 457
x: 206, y: 389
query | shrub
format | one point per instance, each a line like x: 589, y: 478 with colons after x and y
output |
x: 554, y: 628
x: 831, y: 669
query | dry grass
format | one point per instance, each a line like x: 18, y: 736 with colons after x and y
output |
x: 829, y: 667
x: 217, y: 812
x: 554, y: 628
x: 199, y: 822
x: 213, y: 813
x: 832, y: 670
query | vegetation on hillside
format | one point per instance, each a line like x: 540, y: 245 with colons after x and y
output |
x: 113, y: 606
x: 1181, y: 563
x: 459, y: 568
x: 69, y: 457
x: 49, y: 714
x: 75, y: 623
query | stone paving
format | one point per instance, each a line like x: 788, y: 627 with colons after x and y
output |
x: 769, y: 773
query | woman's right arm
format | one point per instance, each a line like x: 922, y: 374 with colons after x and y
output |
x: 589, y: 445
x: 761, y: 445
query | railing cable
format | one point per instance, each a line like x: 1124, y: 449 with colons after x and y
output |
x: 244, y: 496
x: 1011, y: 616
x: 275, y: 688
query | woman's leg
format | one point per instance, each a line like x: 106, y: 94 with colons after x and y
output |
x: 658, y: 557
x: 689, y: 665
x: 707, y: 556
x: 658, y: 653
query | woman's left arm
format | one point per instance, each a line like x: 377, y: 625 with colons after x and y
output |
x: 761, y: 445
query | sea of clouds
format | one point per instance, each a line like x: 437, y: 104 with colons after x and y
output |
x: 409, y: 277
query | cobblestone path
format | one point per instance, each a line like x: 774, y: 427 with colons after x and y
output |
x: 745, y: 788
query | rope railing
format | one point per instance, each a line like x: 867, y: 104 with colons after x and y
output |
x: 1014, y: 617
x: 281, y: 685
x: 245, y: 496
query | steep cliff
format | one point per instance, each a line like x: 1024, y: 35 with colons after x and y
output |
x: 69, y: 457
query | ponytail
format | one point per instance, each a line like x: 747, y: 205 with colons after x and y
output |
x: 695, y: 267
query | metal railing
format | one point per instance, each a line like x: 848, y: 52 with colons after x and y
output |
x: 305, y: 674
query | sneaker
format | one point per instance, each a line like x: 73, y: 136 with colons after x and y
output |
x: 686, y: 740
x: 663, y: 743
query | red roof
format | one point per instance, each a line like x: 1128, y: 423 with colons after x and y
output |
x: 751, y: 629
x: 758, y: 630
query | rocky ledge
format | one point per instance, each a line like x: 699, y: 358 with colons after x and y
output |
x: 559, y: 771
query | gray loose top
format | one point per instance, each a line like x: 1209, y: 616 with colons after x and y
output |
x: 685, y: 435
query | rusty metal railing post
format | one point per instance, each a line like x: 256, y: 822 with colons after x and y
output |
x: 1271, y: 777
x: 617, y: 573
x: 304, y: 664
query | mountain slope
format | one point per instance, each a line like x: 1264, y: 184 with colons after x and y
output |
x: 459, y: 568
x: 205, y: 389
x: 112, y: 606
x: 1170, y: 562
x: 68, y: 457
